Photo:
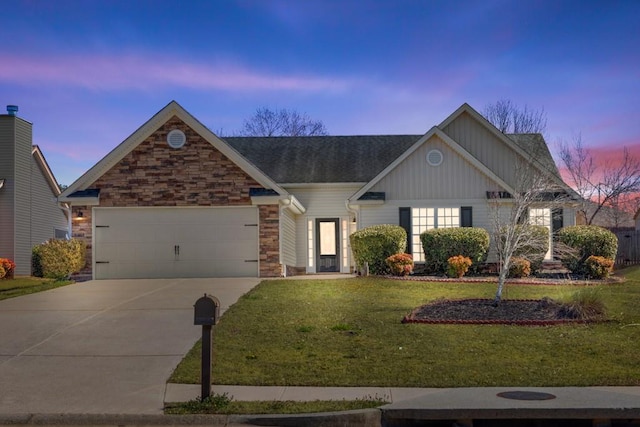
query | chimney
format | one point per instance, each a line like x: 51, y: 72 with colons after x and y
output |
x: 12, y: 110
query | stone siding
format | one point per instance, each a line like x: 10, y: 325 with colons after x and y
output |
x: 269, y: 241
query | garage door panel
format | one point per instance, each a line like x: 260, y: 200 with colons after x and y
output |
x: 175, y: 242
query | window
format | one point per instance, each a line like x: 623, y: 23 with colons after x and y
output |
x: 60, y: 233
x: 423, y: 219
x: 542, y: 216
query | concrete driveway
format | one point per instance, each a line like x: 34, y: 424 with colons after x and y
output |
x: 101, y: 347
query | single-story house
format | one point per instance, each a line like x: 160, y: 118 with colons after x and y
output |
x: 176, y: 200
x: 29, y: 209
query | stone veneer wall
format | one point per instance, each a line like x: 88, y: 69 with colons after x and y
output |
x: 269, y: 216
x: 81, y: 230
x: 154, y: 174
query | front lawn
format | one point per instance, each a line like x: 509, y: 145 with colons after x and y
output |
x: 28, y: 285
x: 349, y: 333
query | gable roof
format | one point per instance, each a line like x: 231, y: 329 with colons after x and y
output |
x: 434, y: 131
x: 322, y: 159
x: 172, y: 109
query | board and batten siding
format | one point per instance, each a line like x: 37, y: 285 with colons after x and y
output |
x: 320, y: 202
x: 288, y: 238
x: 484, y: 146
x: 455, y: 178
x: 46, y: 215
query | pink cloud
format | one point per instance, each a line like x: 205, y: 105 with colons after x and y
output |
x: 140, y: 72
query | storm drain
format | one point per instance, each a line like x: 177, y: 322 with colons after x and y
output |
x: 526, y: 395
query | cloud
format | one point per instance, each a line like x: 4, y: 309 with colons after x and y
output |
x: 95, y: 72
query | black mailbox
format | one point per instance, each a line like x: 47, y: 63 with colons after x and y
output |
x: 206, y: 310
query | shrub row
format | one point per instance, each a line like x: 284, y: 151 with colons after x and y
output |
x: 57, y: 259
x: 381, y: 247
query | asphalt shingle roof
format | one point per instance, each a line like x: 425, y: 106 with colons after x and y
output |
x: 322, y: 159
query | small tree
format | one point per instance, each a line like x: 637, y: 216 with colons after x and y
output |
x: 512, y: 234
x: 283, y: 122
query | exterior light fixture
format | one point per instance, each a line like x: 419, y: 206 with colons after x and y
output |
x: 80, y: 214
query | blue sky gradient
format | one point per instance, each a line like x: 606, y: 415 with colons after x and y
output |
x: 89, y: 73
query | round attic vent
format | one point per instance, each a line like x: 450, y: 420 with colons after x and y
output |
x: 176, y: 138
x: 434, y: 157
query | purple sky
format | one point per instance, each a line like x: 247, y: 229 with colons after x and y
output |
x: 88, y: 73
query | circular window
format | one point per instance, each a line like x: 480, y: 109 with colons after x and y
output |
x: 434, y: 157
x: 176, y: 138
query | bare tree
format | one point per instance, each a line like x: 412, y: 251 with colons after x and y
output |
x: 609, y: 184
x: 510, y: 118
x: 283, y: 122
x: 510, y: 215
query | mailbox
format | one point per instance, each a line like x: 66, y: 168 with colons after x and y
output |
x: 206, y: 310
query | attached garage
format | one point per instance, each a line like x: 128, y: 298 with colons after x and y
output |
x: 175, y: 242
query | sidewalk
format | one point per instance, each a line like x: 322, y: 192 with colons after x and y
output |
x: 459, y: 404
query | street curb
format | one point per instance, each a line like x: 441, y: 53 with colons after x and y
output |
x: 356, y: 418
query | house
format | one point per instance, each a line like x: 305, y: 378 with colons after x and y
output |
x: 175, y: 200
x: 29, y: 210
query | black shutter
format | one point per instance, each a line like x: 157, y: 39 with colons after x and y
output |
x: 557, y: 220
x: 405, y: 222
x: 466, y: 216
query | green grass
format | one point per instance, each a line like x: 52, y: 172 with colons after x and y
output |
x: 222, y: 404
x: 348, y: 333
x: 28, y: 285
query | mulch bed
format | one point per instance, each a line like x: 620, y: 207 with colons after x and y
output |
x: 484, y: 311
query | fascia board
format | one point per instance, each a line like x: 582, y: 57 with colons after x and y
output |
x: 36, y: 153
x: 144, y: 131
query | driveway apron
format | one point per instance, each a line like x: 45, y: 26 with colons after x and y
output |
x: 101, y: 347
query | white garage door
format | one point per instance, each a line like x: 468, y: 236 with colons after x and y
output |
x: 175, y: 242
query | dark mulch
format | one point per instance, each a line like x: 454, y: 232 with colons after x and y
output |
x: 484, y: 311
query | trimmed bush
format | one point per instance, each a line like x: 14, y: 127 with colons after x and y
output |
x: 373, y: 245
x: 537, y: 247
x: 519, y: 267
x: 458, y: 265
x: 400, y: 264
x: 57, y: 259
x: 598, y: 267
x: 8, y: 268
x: 440, y: 244
x: 587, y: 240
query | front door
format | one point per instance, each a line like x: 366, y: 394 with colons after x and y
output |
x: 327, y: 239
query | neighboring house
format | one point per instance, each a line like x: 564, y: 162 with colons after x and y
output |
x: 175, y: 200
x: 29, y: 210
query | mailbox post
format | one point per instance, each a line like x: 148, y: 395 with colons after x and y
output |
x: 206, y: 313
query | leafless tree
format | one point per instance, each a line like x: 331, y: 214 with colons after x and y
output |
x: 609, y: 184
x: 510, y: 118
x: 510, y: 215
x: 283, y: 122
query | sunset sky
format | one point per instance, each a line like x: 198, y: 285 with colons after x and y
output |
x: 88, y: 73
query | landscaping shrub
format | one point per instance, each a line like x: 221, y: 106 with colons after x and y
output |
x: 519, y: 267
x: 57, y: 259
x: 458, y: 265
x: 8, y: 268
x: 585, y: 304
x: 400, y: 264
x: 373, y: 245
x: 440, y: 244
x: 598, y: 267
x: 586, y: 240
x: 536, y: 247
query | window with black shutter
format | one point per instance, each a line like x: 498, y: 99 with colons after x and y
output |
x: 405, y: 222
x: 466, y: 216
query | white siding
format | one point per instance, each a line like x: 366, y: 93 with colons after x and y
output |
x: 45, y: 213
x: 288, y: 237
x: 455, y: 178
x: 22, y: 197
x: 320, y: 202
x: 7, y: 132
x: 484, y: 145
